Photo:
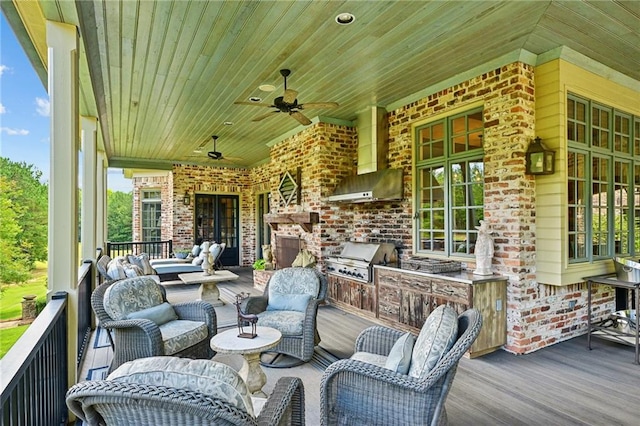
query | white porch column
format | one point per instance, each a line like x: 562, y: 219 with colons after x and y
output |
x: 90, y: 173
x: 101, y: 207
x: 62, y: 42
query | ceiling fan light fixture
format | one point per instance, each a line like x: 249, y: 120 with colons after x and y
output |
x: 255, y: 99
x: 267, y: 87
x: 228, y: 123
x: 345, y: 18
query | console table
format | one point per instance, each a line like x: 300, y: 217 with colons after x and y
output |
x: 611, y: 333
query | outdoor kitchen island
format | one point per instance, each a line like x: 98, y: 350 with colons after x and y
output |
x: 405, y: 298
x: 402, y: 299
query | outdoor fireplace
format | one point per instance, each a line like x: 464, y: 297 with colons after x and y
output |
x: 286, y: 250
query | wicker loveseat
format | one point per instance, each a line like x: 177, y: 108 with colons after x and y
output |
x: 145, y: 324
x: 176, y: 391
x: 290, y: 304
x: 392, y: 380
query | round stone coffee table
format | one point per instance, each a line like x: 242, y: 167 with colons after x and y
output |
x: 228, y: 342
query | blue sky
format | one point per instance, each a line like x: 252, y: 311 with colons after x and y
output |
x: 24, y: 111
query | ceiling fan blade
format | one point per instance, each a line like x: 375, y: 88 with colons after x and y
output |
x: 263, y: 116
x: 254, y: 104
x: 300, y: 117
x: 289, y: 96
x: 308, y: 105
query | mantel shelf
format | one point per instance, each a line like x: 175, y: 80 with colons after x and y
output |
x: 304, y: 219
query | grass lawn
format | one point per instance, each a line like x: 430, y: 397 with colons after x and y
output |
x: 8, y: 336
x: 11, y: 296
x: 11, y: 304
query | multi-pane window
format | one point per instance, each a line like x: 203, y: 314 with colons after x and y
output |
x: 603, y: 195
x: 151, y: 215
x: 450, y: 184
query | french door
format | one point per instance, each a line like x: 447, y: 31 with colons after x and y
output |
x: 217, y: 218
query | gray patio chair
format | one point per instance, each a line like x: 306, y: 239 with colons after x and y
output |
x: 144, y: 324
x: 364, y: 390
x: 175, y: 391
x: 290, y: 304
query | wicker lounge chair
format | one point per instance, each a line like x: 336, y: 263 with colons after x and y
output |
x: 358, y: 392
x: 143, y: 328
x: 290, y: 304
x: 173, y: 391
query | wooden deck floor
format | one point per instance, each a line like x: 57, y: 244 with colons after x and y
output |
x: 565, y: 384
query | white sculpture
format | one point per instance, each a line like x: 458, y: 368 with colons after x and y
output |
x: 207, y: 267
x: 483, y: 250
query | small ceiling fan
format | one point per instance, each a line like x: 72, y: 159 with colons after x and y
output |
x: 288, y: 103
x: 215, y: 154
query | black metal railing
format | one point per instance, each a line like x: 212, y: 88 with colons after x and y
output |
x: 34, y: 372
x: 86, y: 280
x: 155, y: 249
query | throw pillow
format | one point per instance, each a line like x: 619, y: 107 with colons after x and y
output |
x: 159, y: 314
x: 142, y: 260
x: 437, y: 336
x: 288, y: 302
x: 195, y: 251
x: 399, y: 358
x: 115, y: 270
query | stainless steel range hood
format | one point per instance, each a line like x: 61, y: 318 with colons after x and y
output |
x: 374, y: 182
x: 385, y: 184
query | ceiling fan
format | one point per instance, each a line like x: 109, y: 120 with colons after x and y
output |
x: 215, y: 154
x: 288, y: 103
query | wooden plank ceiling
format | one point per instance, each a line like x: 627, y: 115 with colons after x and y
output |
x: 165, y: 74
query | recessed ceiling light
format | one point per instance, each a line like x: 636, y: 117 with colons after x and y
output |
x: 267, y: 87
x: 255, y: 99
x: 345, y: 18
x: 228, y: 123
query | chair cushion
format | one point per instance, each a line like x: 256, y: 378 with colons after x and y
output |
x: 288, y: 302
x: 369, y: 358
x: 289, y: 323
x: 295, y: 281
x: 131, y: 295
x: 437, y: 336
x: 142, y: 260
x: 159, y: 314
x: 214, y: 250
x: 199, y: 375
x: 399, y: 358
x: 179, y: 335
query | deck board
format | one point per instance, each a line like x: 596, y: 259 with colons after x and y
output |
x: 564, y: 384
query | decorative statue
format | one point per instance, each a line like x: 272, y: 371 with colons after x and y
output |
x: 207, y: 267
x: 243, y: 318
x: 267, y: 255
x: 484, y: 250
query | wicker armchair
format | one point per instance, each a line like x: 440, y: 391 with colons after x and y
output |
x: 290, y: 304
x: 354, y: 392
x: 121, y: 306
x: 174, y: 391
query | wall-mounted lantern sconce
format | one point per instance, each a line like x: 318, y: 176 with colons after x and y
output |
x: 540, y: 161
x: 186, y: 200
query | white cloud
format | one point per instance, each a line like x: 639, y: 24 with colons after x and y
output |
x: 2, y: 109
x: 42, y: 107
x: 13, y: 132
x: 3, y: 68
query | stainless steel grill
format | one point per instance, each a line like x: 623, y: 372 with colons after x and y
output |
x: 356, y: 260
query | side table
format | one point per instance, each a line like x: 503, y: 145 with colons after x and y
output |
x: 606, y: 332
x: 209, y: 284
x: 250, y: 349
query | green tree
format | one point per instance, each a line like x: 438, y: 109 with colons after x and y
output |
x: 14, y: 267
x: 29, y: 200
x: 119, y: 216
